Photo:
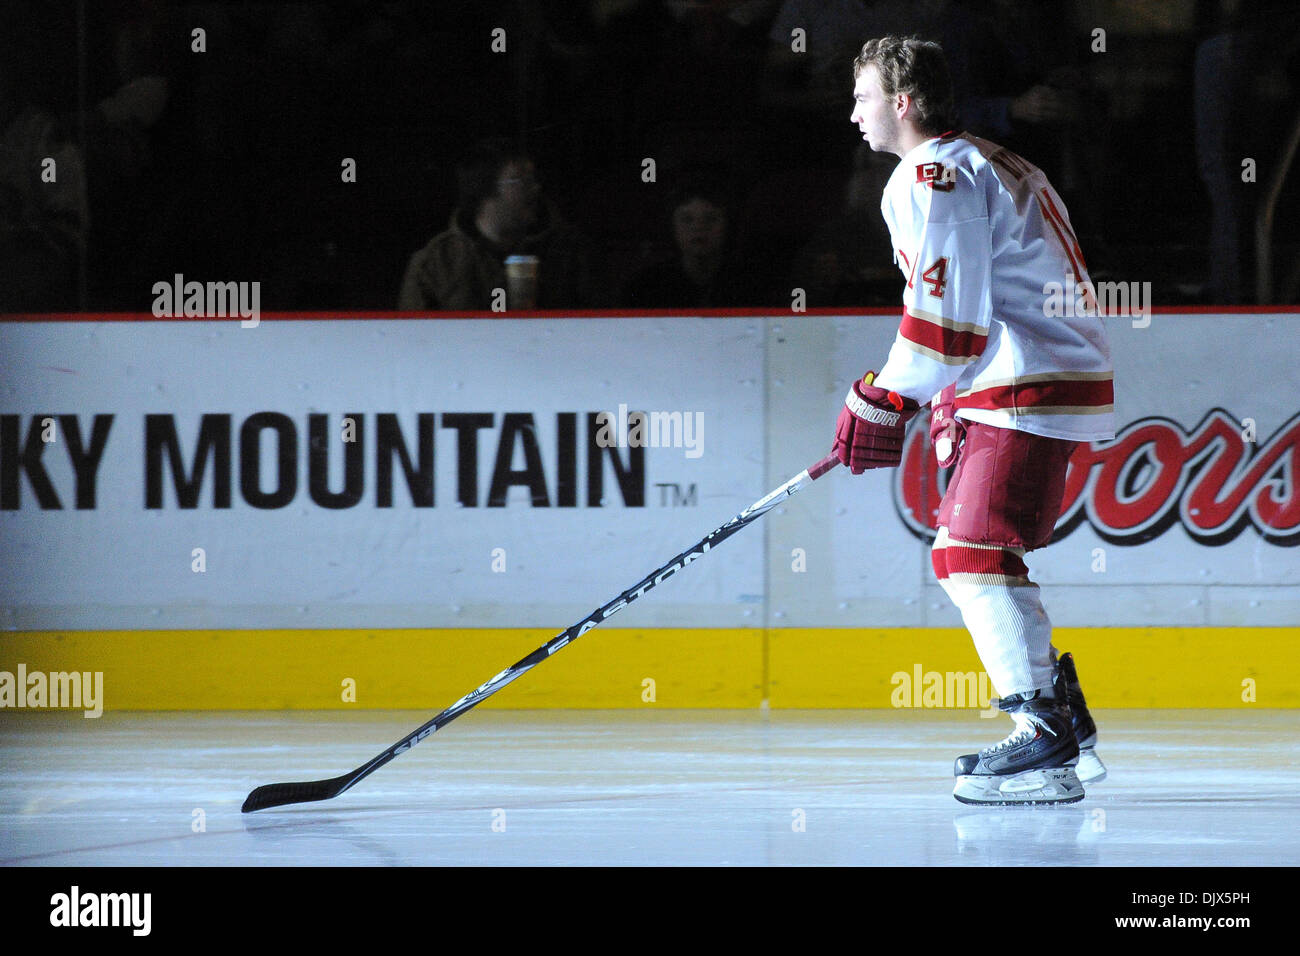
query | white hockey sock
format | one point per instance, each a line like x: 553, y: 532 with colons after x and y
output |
x: 1011, y: 630
x: 1001, y: 608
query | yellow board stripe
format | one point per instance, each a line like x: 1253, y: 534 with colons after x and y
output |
x: 403, y: 668
x: 1174, y: 667
x: 669, y: 668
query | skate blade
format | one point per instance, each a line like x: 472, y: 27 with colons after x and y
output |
x: 1055, y: 785
x: 1090, y: 768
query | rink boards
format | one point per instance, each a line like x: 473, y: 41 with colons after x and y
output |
x: 384, y: 512
x: 913, y: 668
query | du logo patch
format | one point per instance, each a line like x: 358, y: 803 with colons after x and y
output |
x: 937, y: 176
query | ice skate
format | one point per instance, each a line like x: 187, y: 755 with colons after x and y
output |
x: 1033, y: 765
x: 1090, y: 769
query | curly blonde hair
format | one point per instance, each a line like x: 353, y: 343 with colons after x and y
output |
x: 917, y: 68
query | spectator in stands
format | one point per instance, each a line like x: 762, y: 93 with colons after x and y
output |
x: 849, y: 261
x: 501, y: 212
x: 1245, y: 78
x: 703, y: 271
x: 43, y: 214
x: 808, y: 43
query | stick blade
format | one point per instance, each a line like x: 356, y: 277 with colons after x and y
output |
x: 279, y: 794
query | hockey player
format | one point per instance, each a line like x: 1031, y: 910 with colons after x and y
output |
x: 981, y: 237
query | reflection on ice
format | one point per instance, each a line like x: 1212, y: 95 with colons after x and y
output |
x: 864, y: 787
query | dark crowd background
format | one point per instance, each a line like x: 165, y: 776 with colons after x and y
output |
x: 226, y: 164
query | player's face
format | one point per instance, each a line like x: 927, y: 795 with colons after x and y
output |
x: 873, y: 113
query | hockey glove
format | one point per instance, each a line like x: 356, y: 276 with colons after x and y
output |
x: 946, y: 430
x: 869, y: 433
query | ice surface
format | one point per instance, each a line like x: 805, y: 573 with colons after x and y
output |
x: 864, y: 787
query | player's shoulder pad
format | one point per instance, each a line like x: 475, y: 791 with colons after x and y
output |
x: 943, y: 178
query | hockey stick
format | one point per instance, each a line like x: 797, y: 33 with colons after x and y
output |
x: 278, y: 794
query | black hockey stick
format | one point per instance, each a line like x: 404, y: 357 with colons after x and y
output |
x: 278, y: 794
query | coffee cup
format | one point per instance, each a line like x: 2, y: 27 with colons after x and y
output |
x: 521, y: 282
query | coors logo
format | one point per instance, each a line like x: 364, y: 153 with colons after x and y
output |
x: 1153, y: 475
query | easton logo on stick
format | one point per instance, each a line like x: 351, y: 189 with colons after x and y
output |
x: 621, y: 603
x: 1212, y: 480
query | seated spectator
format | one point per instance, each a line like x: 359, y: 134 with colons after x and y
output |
x: 42, y: 224
x: 849, y: 261
x: 501, y: 212
x: 703, y: 272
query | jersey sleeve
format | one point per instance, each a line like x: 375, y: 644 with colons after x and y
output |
x: 946, y: 302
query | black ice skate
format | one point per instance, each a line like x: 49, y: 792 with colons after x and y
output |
x: 1065, y: 679
x: 1034, y: 764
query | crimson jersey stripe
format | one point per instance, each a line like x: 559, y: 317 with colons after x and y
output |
x: 1062, y: 392
x: 939, y: 339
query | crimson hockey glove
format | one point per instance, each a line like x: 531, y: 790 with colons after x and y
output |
x: 869, y: 433
x: 946, y: 430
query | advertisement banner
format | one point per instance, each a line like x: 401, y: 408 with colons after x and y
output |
x: 517, y: 473
x: 403, y: 473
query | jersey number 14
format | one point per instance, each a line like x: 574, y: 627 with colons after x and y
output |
x: 935, y: 277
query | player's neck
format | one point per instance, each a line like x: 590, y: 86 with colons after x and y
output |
x: 910, y: 137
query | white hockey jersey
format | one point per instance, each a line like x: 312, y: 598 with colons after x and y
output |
x: 992, y: 268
